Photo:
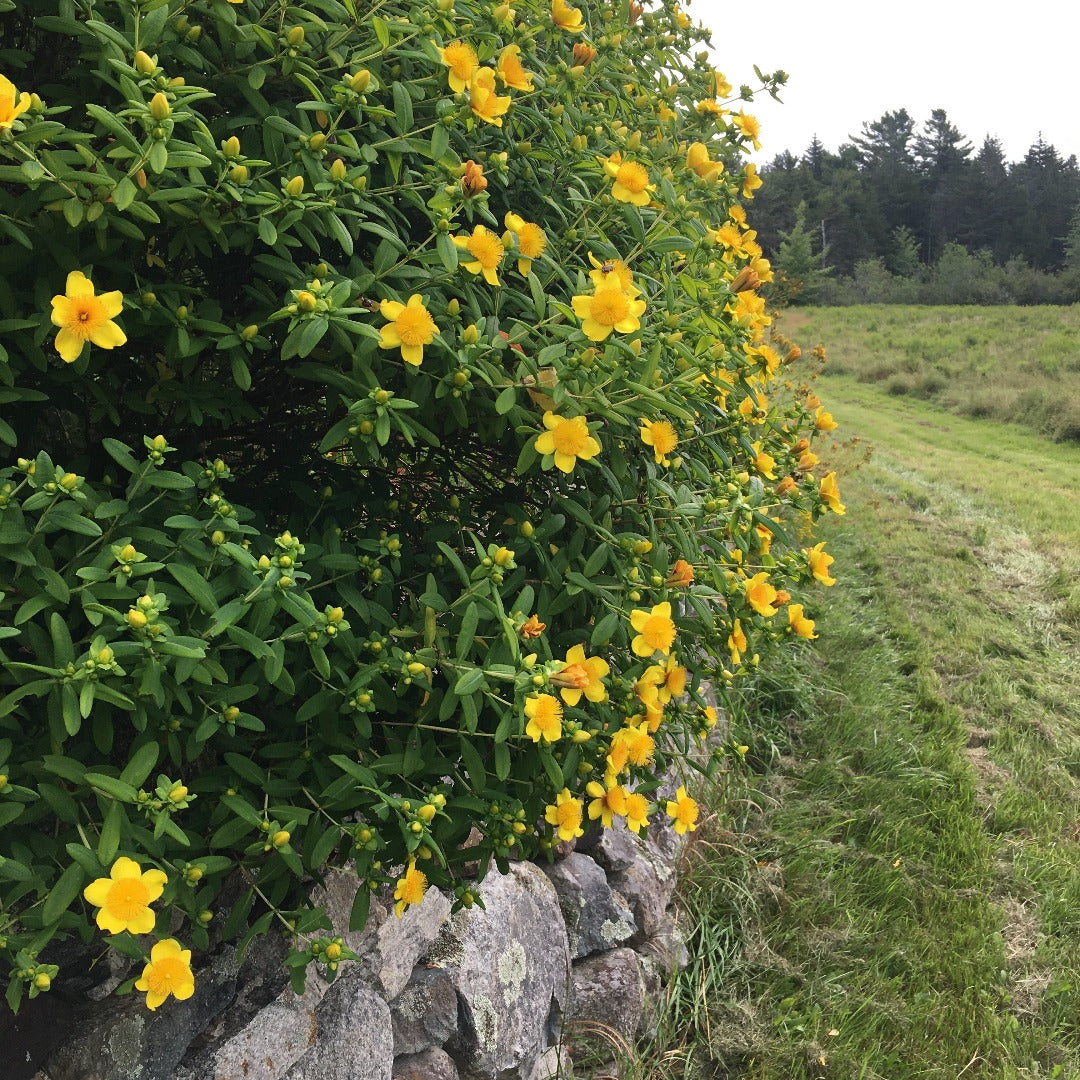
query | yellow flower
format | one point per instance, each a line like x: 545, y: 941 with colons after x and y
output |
x: 566, y: 17
x: 12, y: 104
x: 610, y: 270
x: 84, y: 317
x: 532, y: 240
x: 736, y: 643
x: 544, y: 714
x: 820, y: 561
x: 125, y: 896
x: 568, y: 439
x: 660, y: 435
x: 637, y: 809
x: 169, y: 972
x: 802, y: 626
x: 760, y: 594
x: 487, y: 251
x: 565, y: 815
x: 698, y: 161
x: 683, y: 810
x: 709, y: 107
x: 824, y: 421
x: 631, y: 181
x: 483, y: 100
x: 608, y: 801
x: 512, y: 71
x: 462, y: 61
x: 655, y: 630
x: 721, y: 88
x: 611, y: 307
x: 830, y: 492
x: 751, y: 180
x: 749, y: 127
x: 410, y: 889
x: 635, y: 745
x: 581, y: 675
x: 410, y: 328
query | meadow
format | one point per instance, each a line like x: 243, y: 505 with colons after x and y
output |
x: 1017, y: 365
x: 890, y: 889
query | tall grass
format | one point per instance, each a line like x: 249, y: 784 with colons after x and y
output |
x: 1018, y: 365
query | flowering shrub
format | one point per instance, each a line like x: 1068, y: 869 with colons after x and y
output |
x: 393, y: 438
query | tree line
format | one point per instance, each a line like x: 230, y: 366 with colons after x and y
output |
x: 899, y: 213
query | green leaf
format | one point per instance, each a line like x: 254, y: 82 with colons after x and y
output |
x: 195, y: 585
x: 440, y: 142
x: 60, y: 897
x: 506, y: 400
x: 551, y: 767
x: 502, y: 761
x: 605, y: 629
x: 473, y: 763
x: 109, y: 840
x: 469, y: 622
x: 403, y: 110
x: 360, y: 905
x: 141, y: 764
x: 112, y: 787
x: 382, y: 31
x: 470, y: 682
x: 447, y: 251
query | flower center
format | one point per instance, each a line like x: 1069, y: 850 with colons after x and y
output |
x: 487, y: 249
x: 664, y: 439
x: 568, y: 814
x: 412, y: 892
x: 127, y: 899
x: 531, y: 240
x: 569, y: 438
x: 166, y: 975
x: 632, y: 176
x: 659, y: 632
x: 610, y: 306
x: 461, y: 59
x: 415, y: 326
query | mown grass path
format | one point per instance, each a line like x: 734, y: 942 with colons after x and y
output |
x: 902, y: 897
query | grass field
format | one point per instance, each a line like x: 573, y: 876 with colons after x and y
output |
x: 895, y: 892
x: 1011, y: 364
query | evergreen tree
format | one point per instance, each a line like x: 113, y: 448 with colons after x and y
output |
x: 799, y: 271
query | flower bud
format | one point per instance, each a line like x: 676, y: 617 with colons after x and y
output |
x: 136, y: 619
x: 360, y: 81
x: 231, y: 147
x: 295, y: 36
x: 281, y: 838
x: 178, y: 794
x: 238, y: 174
x: 160, y: 109
x: 470, y: 335
x: 144, y: 64
x: 295, y: 187
x: 42, y: 981
x: 337, y: 170
x: 317, y: 141
x: 249, y: 332
x: 306, y: 301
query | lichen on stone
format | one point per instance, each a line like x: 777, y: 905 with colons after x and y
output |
x: 512, y: 966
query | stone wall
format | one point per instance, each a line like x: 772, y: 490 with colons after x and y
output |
x: 562, y: 960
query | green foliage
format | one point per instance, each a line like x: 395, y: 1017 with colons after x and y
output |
x: 270, y: 545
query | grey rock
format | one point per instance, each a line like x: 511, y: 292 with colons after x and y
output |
x: 122, y: 1040
x: 391, y: 953
x: 510, y: 963
x: 427, y: 1065
x: 270, y: 1043
x: 425, y: 1013
x: 554, y: 1064
x: 595, y: 919
x: 614, y: 849
x: 647, y: 885
x: 352, y: 1037
x: 607, y: 1003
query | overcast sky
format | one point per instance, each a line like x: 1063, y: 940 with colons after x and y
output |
x: 1009, y: 71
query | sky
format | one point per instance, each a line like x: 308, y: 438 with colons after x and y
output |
x: 850, y: 62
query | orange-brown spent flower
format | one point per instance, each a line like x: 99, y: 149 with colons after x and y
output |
x: 473, y: 180
x: 584, y: 54
x: 532, y: 627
